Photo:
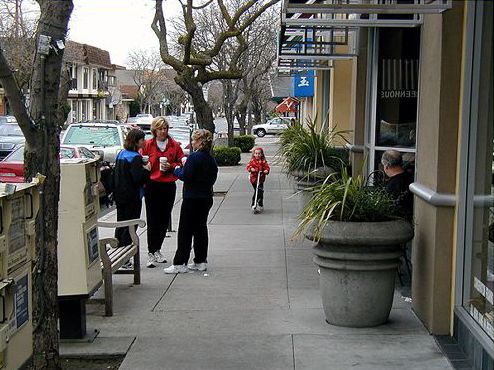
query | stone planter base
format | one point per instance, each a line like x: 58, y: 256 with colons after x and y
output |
x: 358, y: 263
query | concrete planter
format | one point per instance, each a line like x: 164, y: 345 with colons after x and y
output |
x: 358, y: 262
x: 304, y: 182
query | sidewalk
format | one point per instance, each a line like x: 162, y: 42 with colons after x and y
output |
x: 258, y: 305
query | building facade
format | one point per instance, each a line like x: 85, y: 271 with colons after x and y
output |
x: 91, y: 76
x: 418, y: 78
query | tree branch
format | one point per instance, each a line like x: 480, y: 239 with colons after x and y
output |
x: 16, y: 99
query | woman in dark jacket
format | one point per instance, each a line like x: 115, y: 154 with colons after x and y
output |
x: 129, y: 176
x: 199, y: 173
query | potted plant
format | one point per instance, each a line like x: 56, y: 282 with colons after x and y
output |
x: 358, y: 246
x: 310, y: 155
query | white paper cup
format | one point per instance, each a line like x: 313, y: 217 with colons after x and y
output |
x: 184, y: 159
x: 163, y: 160
x: 145, y: 159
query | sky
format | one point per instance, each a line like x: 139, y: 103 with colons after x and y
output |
x: 118, y: 26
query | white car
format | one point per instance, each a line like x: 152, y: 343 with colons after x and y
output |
x: 144, y: 120
x: 273, y: 126
x: 105, y: 139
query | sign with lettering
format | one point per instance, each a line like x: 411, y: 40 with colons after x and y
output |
x: 399, y: 78
x: 303, y: 85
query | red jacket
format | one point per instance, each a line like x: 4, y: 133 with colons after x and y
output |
x: 257, y: 165
x: 172, y: 152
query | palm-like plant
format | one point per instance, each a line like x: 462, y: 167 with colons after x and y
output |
x: 305, y: 149
x: 344, y: 198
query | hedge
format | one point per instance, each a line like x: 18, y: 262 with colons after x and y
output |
x: 244, y: 142
x: 226, y: 156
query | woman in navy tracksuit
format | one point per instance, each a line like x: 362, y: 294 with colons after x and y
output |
x: 129, y: 176
x: 199, y: 173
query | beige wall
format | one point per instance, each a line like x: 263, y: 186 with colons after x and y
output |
x: 358, y: 100
x: 341, y: 95
x: 437, y: 141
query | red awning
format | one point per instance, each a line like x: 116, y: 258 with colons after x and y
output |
x: 287, y: 105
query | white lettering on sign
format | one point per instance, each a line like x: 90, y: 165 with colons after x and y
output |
x: 398, y: 94
x: 304, y: 82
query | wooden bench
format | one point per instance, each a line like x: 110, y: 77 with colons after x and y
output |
x: 114, y: 256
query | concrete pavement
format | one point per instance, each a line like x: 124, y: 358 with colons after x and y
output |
x: 258, y: 305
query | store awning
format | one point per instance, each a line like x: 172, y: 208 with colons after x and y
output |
x: 288, y: 105
x: 360, y: 13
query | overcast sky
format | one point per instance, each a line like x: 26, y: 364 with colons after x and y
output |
x: 119, y: 26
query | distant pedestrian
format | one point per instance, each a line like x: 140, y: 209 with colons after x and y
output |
x: 129, y: 176
x: 198, y: 173
x: 398, y: 183
x: 258, y: 165
x: 164, y: 155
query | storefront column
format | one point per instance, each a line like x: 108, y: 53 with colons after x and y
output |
x: 436, y: 165
x: 358, y: 102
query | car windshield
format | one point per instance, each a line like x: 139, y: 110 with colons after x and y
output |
x: 86, y: 153
x: 92, y: 135
x: 67, y: 153
x: 10, y: 130
x: 16, y: 156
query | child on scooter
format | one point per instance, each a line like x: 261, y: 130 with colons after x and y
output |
x: 258, y: 168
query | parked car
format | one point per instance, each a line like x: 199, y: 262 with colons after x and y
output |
x: 12, y: 167
x: 144, y: 121
x: 105, y: 139
x: 7, y: 119
x: 11, y: 137
x: 183, y: 138
x: 273, y: 126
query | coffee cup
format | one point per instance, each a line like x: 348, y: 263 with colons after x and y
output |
x: 184, y: 159
x: 145, y: 159
x: 163, y: 161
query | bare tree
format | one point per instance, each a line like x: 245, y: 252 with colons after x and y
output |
x: 41, y: 127
x: 17, y: 30
x: 194, y: 66
x: 149, y: 79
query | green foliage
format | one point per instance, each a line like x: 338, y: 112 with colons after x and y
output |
x: 306, y: 149
x: 244, y: 142
x: 345, y: 198
x: 226, y: 156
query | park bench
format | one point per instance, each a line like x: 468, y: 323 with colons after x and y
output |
x: 113, y: 257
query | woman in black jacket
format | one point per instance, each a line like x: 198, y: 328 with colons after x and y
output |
x: 198, y: 174
x: 129, y: 176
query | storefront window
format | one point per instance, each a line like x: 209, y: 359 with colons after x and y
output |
x: 397, y: 87
x: 478, y: 297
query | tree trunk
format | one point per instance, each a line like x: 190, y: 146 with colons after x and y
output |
x: 242, y: 117
x: 204, y: 114
x: 42, y: 156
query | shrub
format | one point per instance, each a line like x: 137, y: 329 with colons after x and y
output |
x: 345, y: 198
x: 244, y: 142
x: 226, y: 156
x: 307, y: 149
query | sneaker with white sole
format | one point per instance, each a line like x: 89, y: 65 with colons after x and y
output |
x: 127, y: 266
x: 151, y: 260
x: 260, y: 208
x: 197, y: 266
x: 159, y: 257
x: 253, y: 208
x: 176, y: 269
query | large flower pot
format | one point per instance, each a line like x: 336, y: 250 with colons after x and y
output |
x: 358, y: 262
x: 305, y: 182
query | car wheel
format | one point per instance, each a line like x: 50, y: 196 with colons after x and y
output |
x: 261, y: 132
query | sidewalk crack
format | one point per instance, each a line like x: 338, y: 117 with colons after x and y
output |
x: 163, y: 295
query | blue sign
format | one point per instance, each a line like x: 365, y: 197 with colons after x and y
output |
x: 303, y: 85
x: 21, y: 301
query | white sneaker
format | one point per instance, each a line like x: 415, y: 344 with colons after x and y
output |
x: 159, y: 257
x: 151, y: 260
x: 127, y: 266
x: 253, y: 208
x: 260, y: 208
x: 198, y: 266
x: 180, y: 269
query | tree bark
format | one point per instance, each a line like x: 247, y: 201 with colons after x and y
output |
x: 204, y: 114
x: 41, y: 128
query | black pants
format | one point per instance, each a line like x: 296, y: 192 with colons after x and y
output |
x: 260, y: 194
x: 126, y: 211
x: 160, y: 197
x: 193, y: 224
